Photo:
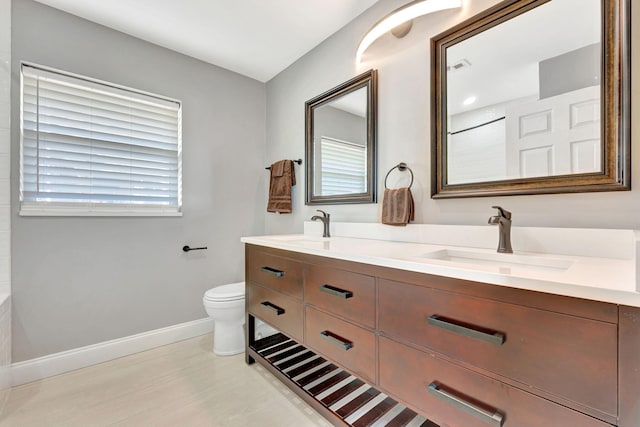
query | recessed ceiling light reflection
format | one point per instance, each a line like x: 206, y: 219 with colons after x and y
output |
x: 470, y: 100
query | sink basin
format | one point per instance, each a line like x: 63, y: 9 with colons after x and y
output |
x: 501, y: 261
x: 299, y: 238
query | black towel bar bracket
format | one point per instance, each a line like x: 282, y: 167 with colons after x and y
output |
x: 186, y: 248
x: 299, y: 161
x: 402, y: 166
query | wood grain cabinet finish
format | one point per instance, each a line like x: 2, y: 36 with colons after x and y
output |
x: 278, y: 273
x: 568, y: 356
x: 455, y: 396
x: 349, y: 295
x: 349, y: 345
x: 280, y: 311
x: 462, y: 353
x: 629, y: 366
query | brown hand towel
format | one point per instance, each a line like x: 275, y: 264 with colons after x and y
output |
x: 397, y: 206
x: 283, y: 176
x: 277, y: 169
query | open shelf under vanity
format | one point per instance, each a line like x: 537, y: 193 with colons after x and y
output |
x: 327, y: 388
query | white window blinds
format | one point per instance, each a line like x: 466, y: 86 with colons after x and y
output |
x: 343, y: 166
x: 91, y: 148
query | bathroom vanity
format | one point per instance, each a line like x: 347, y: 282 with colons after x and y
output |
x: 455, y: 335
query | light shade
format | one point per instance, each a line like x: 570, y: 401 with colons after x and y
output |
x: 399, y: 16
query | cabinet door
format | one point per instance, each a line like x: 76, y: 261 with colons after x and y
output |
x: 568, y: 356
x: 454, y: 396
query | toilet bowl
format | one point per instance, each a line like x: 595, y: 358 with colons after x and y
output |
x: 225, y: 305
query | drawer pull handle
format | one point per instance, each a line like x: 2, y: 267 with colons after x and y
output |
x: 277, y: 310
x: 272, y: 271
x: 485, y: 335
x: 337, y: 340
x: 337, y: 292
x: 492, y: 418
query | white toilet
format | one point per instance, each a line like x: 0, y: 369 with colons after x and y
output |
x: 225, y: 305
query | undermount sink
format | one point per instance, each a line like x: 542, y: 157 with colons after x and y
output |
x: 315, y: 242
x: 499, y: 260
x: 299, y: 238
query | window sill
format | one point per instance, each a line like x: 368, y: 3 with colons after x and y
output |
x: 94, y: 211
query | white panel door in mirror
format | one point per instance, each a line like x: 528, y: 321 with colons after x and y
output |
x: 566, y: 127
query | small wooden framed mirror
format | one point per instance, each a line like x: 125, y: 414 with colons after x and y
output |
x: 341, y: 143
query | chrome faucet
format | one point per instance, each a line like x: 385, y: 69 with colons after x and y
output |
x: 503, y: 219
x: 325, y: 218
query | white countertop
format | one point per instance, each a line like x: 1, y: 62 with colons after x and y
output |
x: 609, y: 279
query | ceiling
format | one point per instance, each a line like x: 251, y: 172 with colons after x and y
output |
x: 504, y: 60
x: 256, y: 38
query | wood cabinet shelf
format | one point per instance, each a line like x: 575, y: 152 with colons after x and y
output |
x: 329, y: 389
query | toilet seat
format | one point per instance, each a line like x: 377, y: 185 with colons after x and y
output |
x: 230, y: 292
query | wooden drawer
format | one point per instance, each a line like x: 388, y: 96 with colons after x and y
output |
x: 280, y: 311
x: 567, y: 356
x: 349, y: 295
x: 281, y: 274
x: 454, y: 396
x: 346, y: 344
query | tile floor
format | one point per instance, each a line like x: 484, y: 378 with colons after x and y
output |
x: 182, y: 384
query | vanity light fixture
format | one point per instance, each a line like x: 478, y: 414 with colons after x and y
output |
x: 400, y: 16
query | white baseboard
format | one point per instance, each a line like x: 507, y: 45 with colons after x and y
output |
x: 70, y: 360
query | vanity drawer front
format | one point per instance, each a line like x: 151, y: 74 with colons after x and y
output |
x: 349, y: 295
x: 282, y: 274
x: 451, y: 395
x: 567, y: 356
x: 346, y: 344
x: 280, y: 311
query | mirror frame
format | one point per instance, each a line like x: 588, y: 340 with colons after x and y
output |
x: 615, y: 108
x: 369, y: 80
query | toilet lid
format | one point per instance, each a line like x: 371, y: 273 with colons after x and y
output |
x: 233, y: 291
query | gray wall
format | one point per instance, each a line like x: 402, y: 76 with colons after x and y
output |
x: 404, y: 130
x: 570, y: 71
x: 79, y: 281
x: 5, y: 146
x: 5, y: 201
x: 339, y: 124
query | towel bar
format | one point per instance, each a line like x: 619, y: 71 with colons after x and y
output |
x: 402, y: 166
x: 186, y: 248
x: 299, y: 161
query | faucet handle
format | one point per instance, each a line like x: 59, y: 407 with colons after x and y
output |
x: 503, y: 212
x: 324, y: 214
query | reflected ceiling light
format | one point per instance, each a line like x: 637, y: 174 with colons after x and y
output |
x: 470, y: 100
x: 400, y: 16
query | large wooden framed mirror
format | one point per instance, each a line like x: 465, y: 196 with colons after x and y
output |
x: 531, y: 97
x: 341, y: 143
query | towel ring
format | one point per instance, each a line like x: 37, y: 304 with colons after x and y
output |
x: 402, y: 166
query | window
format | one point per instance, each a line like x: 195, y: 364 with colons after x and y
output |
x: 93, y: 148
x: 343, y: 166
